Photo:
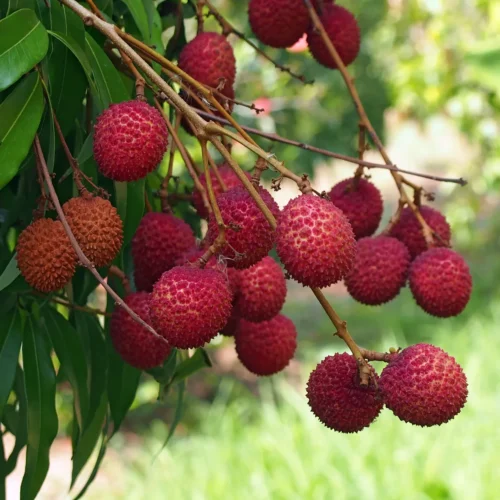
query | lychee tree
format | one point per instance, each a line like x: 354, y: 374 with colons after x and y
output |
x: 94, y: 111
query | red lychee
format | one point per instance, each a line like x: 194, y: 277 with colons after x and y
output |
x: 409, y: 230
x: 130, y: 139
x: 315, y: 241
x: 278, y: 23
x: 231, y: 326
x: 45, y: 256
x: 361, y: 203
x: 136, y: 345
x: 96, y: 226
x: 262, y: 291
x: 266, y: 348
x: 229, y: 178
x: 249, y: 235
x: 189, y: 306
x: 379, y: 271
x: 158, y: 242
x: 337, y: 398
x: 440, y: 282
x: 423, y: 385
x: 342, y: 29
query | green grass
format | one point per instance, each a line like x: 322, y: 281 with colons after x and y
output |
x: 274, y: 448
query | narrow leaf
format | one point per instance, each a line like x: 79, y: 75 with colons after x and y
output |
x: 130, y: 205
x: 191, y: 365
x: 9, y: 274
x: 138, y: 12
x: 179, y: 409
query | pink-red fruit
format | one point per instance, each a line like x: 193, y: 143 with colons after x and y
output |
x: 337, y: 398
x: 409, y: 230
x: 278, y: 23
x: 342, y: 29
x: 189, y: 306
x: 440, y: 282
x: 130, y: 139
x: 135, y: 344
x: 231, y: 326
x: 266, y: 348
x: 314, y: 241
x: 379, y: 271
x: 361, y: 203
x: 249, y: 235
x: 423, y: 385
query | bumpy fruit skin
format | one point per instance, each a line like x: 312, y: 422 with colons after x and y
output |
x: 336, y: 397
x: 342, y: 29
x: 249, y: 236
x: 278, y: 23
x: 315, y: 241
x: 130, y: 139
x: 45, y: 256
x: 96, y: 226
x: 158, y: 242
x: 189, y: 306
x: 380, y: 270
x: 229, y: 178
x: 423, y: 385
x: 136, y: 345
x: 231, y: 327
x: 440, y: 282
x: 266, y: 348
x: 361, y: 203
x: 262, y: 291
x: 209, y: 58
x: 409, y: 230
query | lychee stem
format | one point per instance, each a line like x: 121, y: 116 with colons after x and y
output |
x: 163, y: 191
x: 214, y: 167
x: 199, y: 16
x: 116, y: 271
x: 71, y: 305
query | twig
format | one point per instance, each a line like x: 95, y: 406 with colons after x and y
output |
x: 116, y: 271
x: 376, y: 356
x: 72, y: 305
x: 163, y: 192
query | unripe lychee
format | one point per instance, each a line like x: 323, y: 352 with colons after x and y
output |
x: 262, y: 291
x: 229, y: 178
x: 249, y: 236
x: 379, y: 271
x: 409, y: 230
x: 423, y: 385
x: 361, y: 203
x: 337, y: 398
x: 45, y: 256
x: 136, y: 345
x: 342, y: 29
x: 266, y: 348
x: 209, y: 58
x: 189, y: 306
x: 158, y: 242
x: 278, y: 23
x: 440, y: 282
x: 96, y: 226
x: 315, y: 241
x: 130, y: 139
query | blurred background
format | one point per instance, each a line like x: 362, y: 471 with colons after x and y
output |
x: 429, y: 77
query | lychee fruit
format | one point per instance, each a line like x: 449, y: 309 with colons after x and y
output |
x: 440, y: 282
x: 315, y: 241
x: 97, y: 227
x: 189, y: 306
x: 278, y: 23
x: 231, y: 327
x: 229, y: 178
x: 361, y: 203
x: 409, y: 231
x: 380, y: 270
x: 159, y: 241
x: 130, y: 139
x: 45, y: 256
x: 337, y: 398
x: 267, y: 347
x: 342, y: 29
x: 249, y: 236
x: 262, y: 291
x: 423, y: 385
x: 136, y: 345
x: 209, y: 58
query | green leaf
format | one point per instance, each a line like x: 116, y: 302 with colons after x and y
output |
x: 23, y: 43
x: 20, y: 114
x: 86, y: 151
x: 10, y: 345
x: 130, y: 205
x: 40, y: 381
x: 482, y: 64
x: 154, y: 24
x: 179, y: 409
x: 191, y: 365
x: 9, y: 274
x: 138, y: 12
